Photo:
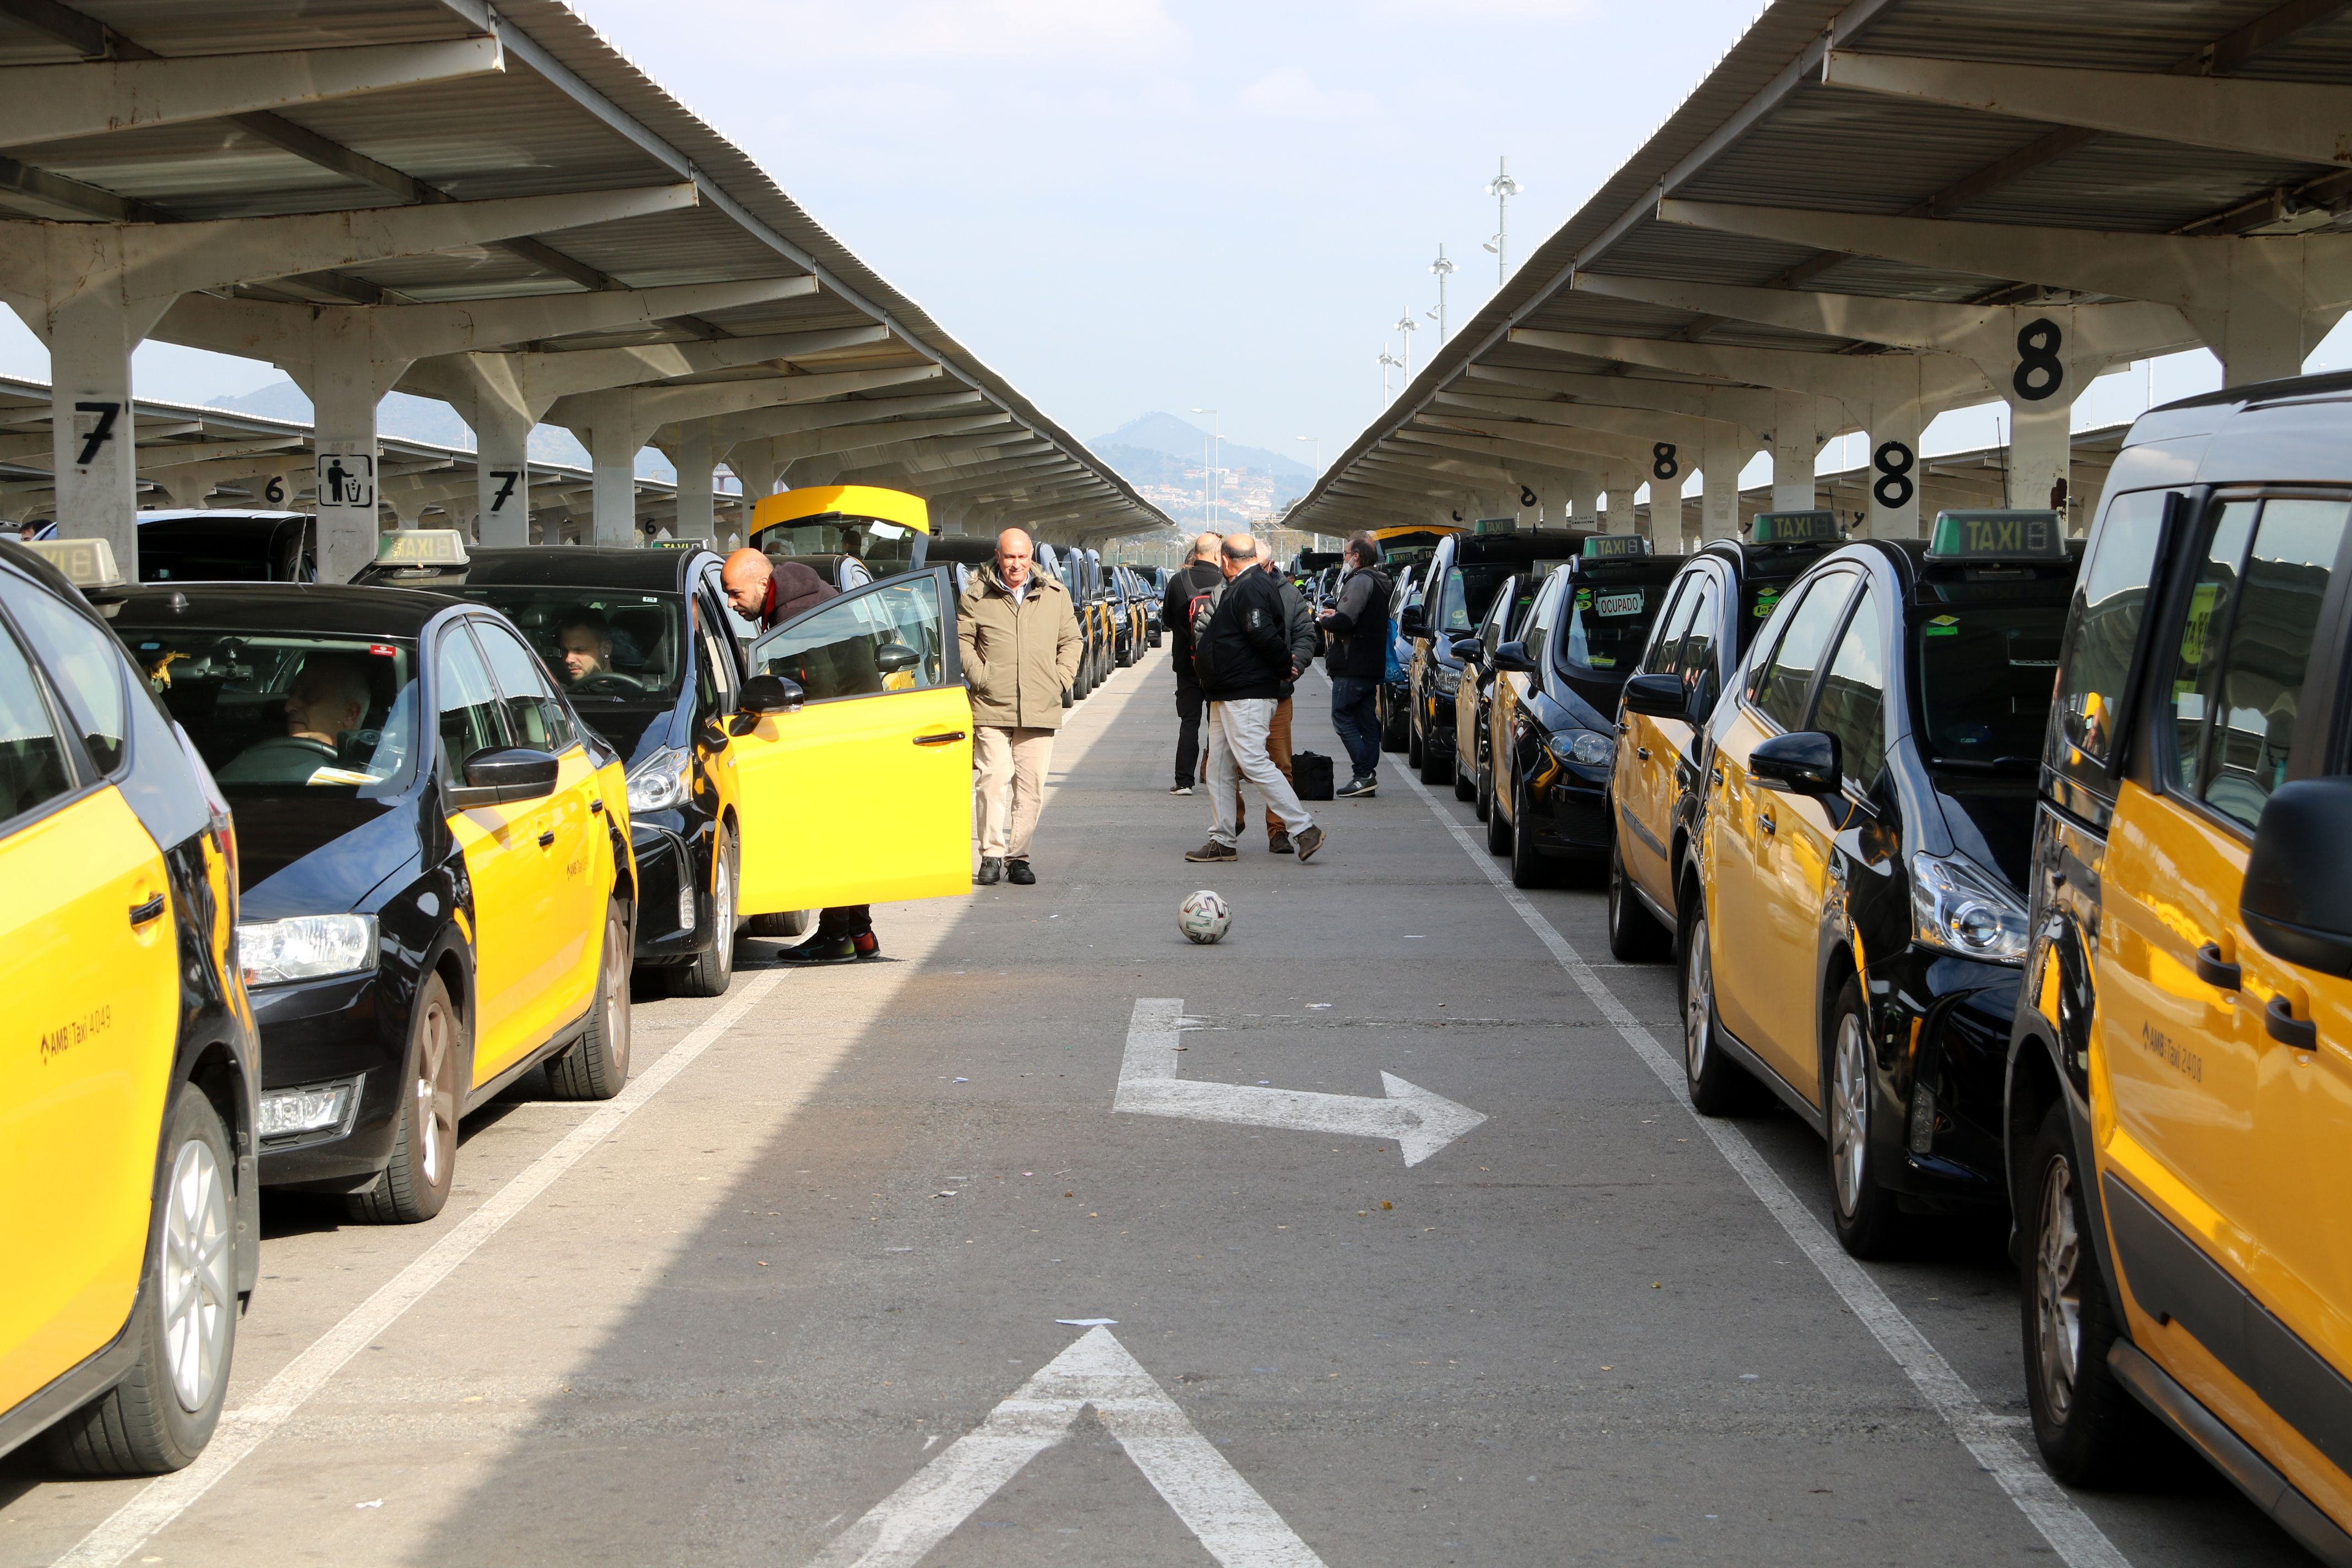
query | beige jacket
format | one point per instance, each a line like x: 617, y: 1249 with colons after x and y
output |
x: 1019, y: 656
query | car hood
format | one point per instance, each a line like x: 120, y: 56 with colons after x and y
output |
x: 632, y: 729
x: 1990, y: 820
x: 297, y: 857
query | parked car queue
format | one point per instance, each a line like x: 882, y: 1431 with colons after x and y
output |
x: 2020, y: 869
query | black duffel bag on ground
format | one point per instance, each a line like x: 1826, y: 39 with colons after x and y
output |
x: 1310, y: 775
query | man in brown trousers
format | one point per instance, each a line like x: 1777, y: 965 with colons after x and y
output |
x: 1020, y: 647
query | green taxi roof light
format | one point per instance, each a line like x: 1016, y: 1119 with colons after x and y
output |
x: 85, y: 562
x: 1496, y: 525
x: 421, y: 547
x: 1814, y: 527
x: 1997, y: 533
x: 1614, y: 546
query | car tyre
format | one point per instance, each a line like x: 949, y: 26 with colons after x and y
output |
x: 163, y: 1413
x: 598, y: 1065
x: 713, y: 970
x: 1466, y: 785
x: 1868, y: 1216
x: 1498, y: 827
x: 1395, y: 728
x: 1413, y: 747
x: 1437, y: 760
x: 790, y: 923
x: 1530, y: 869
x: 1485, y: 789
x: 2091, y: 1431
x: 415, y: 1184
x: 1718, y: 1085
x: 1634, y: 934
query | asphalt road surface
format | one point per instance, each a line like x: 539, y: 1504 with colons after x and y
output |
x: 865, y: 1267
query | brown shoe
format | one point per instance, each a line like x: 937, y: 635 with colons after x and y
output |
x: 1279, y: 844
x: 1308, y: 843
x: 1213, y: 850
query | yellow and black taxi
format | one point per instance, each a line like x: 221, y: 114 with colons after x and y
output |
x: 1126, y: 618
x: 2179, y: 1093
x: 129, y: 1204
x: 1076, y: 573
x: 225, y: 545
x: 1146, y: 596
x: 1551, y: 733
x: 1715, y: 606
x: 1405, y: 553
x: 641, y: 643
x: 1473, y: 695
x: 1465, y: 573
x: 884, y: 532
x: 436, y: 888
x: 1869, y: 808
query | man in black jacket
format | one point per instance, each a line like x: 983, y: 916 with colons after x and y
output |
x: 1197, y: 577
x: 1358, y: 662
x: 1243, y: 653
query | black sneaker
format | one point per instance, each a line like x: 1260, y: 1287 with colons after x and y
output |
x: 991, y: 871
x: 1213, y: 850
x: 1017, y: 872
x: 822, y: 948
x: 1357, y: 788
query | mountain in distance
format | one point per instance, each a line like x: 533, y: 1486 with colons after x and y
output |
x: 1167, y: 461
x: 1187, y: 442
x: 411, y: 418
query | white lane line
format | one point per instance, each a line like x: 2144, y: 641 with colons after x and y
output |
x: 243, y: 1430
x: 1987, y: 1436
x: 1238, y: 1527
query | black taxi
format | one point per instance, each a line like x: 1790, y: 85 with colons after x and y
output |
x: 2180, y: 1085
x: 1473, y: 695
x: 128, y: 1062
x: 1551, y: 735
x: 643, y: 647
x: 1464, y: 574
x: 1714, y: 608
x: 1862, y: 853
x: 433, y: 868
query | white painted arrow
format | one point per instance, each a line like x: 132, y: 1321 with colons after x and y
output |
x: 1419, y: 1122
x: 1236, y: 1525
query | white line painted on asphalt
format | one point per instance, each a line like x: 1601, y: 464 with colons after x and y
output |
x: 1420, y: 1123
x: 1236, y: 1525
x: 1987, y: 1436
x: 243, y: 1430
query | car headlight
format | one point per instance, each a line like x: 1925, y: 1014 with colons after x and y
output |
x: 1586, y: 748
x: 660, y: 783
x: 1960, y: 906
x: 1449, y: 681
x: 305, y: 947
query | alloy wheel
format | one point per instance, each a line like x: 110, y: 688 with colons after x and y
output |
x: 2058, y: 1291
x: 1850, y: 1112
x: 435, y: 1110
x: 1698, y: 1002
x: 199, y: 1294
x: 615, y: 998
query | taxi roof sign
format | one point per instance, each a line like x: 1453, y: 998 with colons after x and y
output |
x: 1813, y: 527
x: 680, y: 545
x: 421, y: 547
x: 85, y: 562
x: 1496, y: 525
x: 1614, y: 546
x: 1999, y: 534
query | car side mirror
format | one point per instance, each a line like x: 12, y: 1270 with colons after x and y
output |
x: 1658, y: 695
x: 2297, y: 898
x: 1803, y: 762
x: 1413, y: 621
x: 763, y: 695
x: 501, y: 775
x: 893, y: 657
x: 1512, y: 656
x: 1466, y: 647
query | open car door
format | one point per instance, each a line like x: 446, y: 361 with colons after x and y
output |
x: 863, y: 794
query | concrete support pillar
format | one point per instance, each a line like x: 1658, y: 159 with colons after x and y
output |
x: 346, y: 384
x: 502, y: 472
x: 1727, y: 452
x: 1796, y: 450
x: 90, y: 335
x: 802, y: 472
x: 1893, y: 473
x: 754, y: 463
x: 696, y: 511
x: 1584, y: 498
x: 616, y: 436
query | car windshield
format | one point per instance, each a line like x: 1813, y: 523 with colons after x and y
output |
x: 886, y: 548
x: 1986, y: 674
x: 1470, y: 590
x: 600, y: 644
x: 1607, y: 625
x: 289, y: 714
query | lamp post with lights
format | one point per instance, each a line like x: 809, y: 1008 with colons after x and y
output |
x: 1444, y: 268
x: 1216, y: 469
x: 1502, y: 187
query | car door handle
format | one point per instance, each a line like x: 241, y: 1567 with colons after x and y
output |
x: 598, y: 806
x: 2300, y: 1034
x: 1643, y: 752
x: 148, y: 912
x: 945, y: 738
x: 547, y: 839
x: 1714, y: 777
x: 2214, y: 972
x: 1765, y: 822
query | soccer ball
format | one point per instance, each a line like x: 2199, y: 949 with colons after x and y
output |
x: 1203, y: 917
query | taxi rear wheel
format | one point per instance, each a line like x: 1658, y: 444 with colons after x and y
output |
x: 161, y: 1413
x: 1634, y: 934
x: 1484, y: 792
x: 1530, y: 869
x: 1718, y: 1085
x: 713, y: 970
x: 1866, y: 1213
x: 2090, y: 1429
x: 1498, y: 827
x: 415, y: 1186
x: 597, y: 1067
x: 1466, y: 787
x: 1436, y: 761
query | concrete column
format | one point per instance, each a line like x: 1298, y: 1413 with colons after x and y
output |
x: 1583, y: 497
x: 1727, y: 452
x: 502, y: 472
x: 615, y: 437
x: 802, y: 472
x: 1893, y: 473
x: 94, y: 451
x: 696, y: 506
x: 754, y: 463
x: 1796, y: 449
x: 345, y: 386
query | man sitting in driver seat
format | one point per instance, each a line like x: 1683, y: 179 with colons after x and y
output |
x: 326, y: 701
x: 583, y: 646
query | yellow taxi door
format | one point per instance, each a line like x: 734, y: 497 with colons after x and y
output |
x: 864, y: 793
x: 1644, y: 778
x: 572, y: 868
x: 88, y: 966
x: 1767, y: 855
x: 500, y: 845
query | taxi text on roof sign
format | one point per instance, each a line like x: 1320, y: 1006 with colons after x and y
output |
x: 1614, y: 546
x: 1997, y: 535
x: 423, y: 547
x: 85, y: 562
x: 1497, y: 525
x: 1820, y: 527
x: 680, y: 543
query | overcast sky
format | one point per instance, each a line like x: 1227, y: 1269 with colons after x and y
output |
x: 1127, y: 206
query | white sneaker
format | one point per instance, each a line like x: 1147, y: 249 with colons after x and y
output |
x: 1182, y: 789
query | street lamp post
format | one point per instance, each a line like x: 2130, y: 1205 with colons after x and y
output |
x: 1444, y: 268
x: 1408, y: 326
x: 1216, y: 468
x: 1502, y: 187
x: 1388, y: 362
x: 1318, y: 451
